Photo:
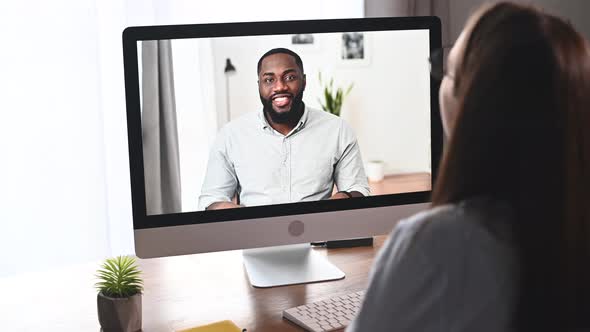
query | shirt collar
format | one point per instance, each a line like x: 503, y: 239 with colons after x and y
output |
x: 264, y: 123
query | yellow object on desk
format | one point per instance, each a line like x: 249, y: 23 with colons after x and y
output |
x: 221, y: 326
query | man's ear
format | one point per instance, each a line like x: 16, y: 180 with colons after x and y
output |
x: 304, y: 81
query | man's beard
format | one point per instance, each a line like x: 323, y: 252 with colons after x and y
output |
x: 290, y: 116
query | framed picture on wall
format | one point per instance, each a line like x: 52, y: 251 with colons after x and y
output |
x: 355, y: 49
x: 302, y: 39
x: 304, y: 42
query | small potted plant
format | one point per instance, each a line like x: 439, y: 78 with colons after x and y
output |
x: 333, y: 99
x: 119, y: 295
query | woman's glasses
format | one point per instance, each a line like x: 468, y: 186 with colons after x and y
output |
x: 438, y: 63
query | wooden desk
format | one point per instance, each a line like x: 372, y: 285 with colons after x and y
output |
x: 401, y: 183
x: 179, y: 292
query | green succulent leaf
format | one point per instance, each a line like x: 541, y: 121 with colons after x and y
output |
x: 332, y: 100
x: 348, y: 89
x: 119, y: 277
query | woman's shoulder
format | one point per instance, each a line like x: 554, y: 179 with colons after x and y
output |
x: 446, y: 228
x: 438, y: 261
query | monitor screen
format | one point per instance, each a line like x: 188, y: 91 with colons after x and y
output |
x: 251, y: 121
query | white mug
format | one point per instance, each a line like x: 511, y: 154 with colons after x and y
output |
x: 375, y: 170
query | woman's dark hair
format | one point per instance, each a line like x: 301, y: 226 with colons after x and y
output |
x: 522, y: 135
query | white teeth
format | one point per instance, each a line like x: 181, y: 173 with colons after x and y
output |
x: 281, y: 101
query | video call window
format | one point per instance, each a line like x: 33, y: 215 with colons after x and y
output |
x: 207, y: 110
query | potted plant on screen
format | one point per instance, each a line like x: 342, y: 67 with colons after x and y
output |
x: 332, y: 97
x: 119, y: 295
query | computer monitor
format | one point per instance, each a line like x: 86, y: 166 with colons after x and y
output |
x: 349, y: 109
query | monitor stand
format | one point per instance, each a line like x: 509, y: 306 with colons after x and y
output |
x: 288, y: 265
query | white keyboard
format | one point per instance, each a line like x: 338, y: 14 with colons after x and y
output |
x: 328, y: 315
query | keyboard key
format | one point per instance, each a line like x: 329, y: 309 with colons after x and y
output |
x: 337, y: 325
x: 327, y: 315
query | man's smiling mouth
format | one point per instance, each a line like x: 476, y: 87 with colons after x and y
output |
x: 281, y: 100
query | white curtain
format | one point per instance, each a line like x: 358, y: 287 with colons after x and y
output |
x: 196, y: 113
x: 64, y: 179
x: 52, y: 172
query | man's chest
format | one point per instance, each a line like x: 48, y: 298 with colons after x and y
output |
x: 273, y: 160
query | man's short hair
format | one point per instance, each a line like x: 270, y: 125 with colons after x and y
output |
x: 283, y: 51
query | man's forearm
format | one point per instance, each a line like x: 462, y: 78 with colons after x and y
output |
x: 222, y: 205
x: 346, y: 194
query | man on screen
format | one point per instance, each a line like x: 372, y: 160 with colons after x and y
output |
x: 286, y: 153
